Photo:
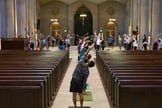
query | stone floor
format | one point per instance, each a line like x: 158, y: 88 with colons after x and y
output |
x: 64, y: 97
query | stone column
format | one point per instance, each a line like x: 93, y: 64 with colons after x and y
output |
x: 31, y: 18
x: 21, y: 17
x: 144, y: 17
x: 130, y: 16
x: 10, y: 19
x: 150, y: 25
x: 135, y: 14
x: 139, y: 23
x: 2, y: 17
x: 150, y: 16
x: 156, y: 18
x: 2, y: 21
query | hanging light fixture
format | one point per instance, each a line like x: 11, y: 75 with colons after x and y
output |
x: 83, y: 16
x: 111, y: 12
x: 55, y: 21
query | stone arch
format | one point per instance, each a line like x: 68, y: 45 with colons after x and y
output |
x: 83, y: 21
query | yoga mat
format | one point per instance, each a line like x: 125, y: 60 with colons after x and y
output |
x: 79, y: 107
x: 87, y: 96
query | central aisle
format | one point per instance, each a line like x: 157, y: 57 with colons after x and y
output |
x: 64, y: 97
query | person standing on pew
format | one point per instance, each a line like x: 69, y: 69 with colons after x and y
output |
x: 79, y: 78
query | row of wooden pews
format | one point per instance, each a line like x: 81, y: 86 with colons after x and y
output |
x: 31, y: 79
x: 132, y: 79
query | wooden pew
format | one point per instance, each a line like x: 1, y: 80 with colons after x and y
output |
x: 52, y: 69
x: 21, y: 75
x: 129, y: 76
x: 22, y: 94
x: 13, y: 44
x: 132, y: 72
x: 139, y: 94
x: 35, y: 66
x: 31, y: 78
x: 134, y: 77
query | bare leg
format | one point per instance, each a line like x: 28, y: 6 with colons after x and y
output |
x: 74, y: 100
x: 81, y: 100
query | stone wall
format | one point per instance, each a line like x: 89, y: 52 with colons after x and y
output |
x: 65, y: 13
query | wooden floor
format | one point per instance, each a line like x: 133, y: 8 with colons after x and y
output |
x: 64, y: 97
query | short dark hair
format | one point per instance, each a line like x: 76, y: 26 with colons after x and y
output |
x: 85, y: 60
x: 91, y: 63
x: 89, y: 56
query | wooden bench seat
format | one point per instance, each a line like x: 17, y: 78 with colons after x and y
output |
x: 107, y: 73
x: 32, y: 78
x: 55, y: 71
x: 113, y: 78
x: 58, y: 66
x: 19, y: 69
x: 22, y: 93
x: 138, y: 78
x: 129, y: 75
x: 139, y: 94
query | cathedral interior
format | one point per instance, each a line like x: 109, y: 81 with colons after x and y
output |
x: 40, y: 76
x: 19, y: 18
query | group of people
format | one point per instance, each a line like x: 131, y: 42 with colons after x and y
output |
x: 63, y: 42
x: 131, y: 43
x: 43, y: 42
x: 81, y: 71
x: 99, y: 41
x: 60, y: 41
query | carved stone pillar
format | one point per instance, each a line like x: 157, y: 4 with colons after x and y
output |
x: 2, y: 17
x: 10, y: 18
x: 32, y: 18
x: 144, y: 17
x: 130, y: 16
x: 135, y: 14
x: 21, y: 17
x: 150, y: 25
x: 156, y: 19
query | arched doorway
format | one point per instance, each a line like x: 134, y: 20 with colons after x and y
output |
x: 55, y: 27
x: 110, y: 29
x: 83, y: 21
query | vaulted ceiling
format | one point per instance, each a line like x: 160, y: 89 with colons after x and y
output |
x: 42, y: 2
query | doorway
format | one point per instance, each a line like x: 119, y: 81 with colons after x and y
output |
x: 110, y: 29
x: 83, y: 21
x: 55, y: 27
